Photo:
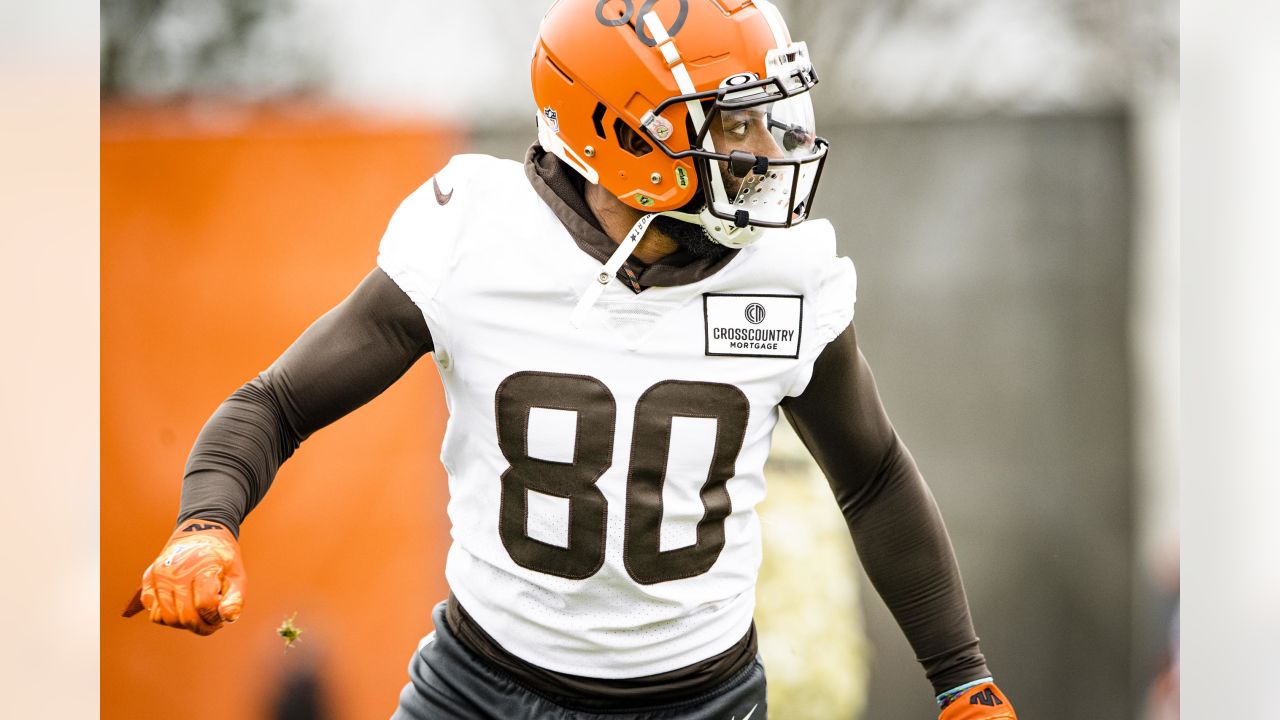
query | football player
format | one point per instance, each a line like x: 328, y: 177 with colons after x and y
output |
x: 618, y: 322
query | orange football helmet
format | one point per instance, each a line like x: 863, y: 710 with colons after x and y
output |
x: 714, y: 92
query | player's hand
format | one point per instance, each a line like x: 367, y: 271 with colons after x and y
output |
x: 197, y: 582
x: 981, y: 702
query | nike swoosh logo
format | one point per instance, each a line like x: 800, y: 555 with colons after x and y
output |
x: 441, y: 197
x: 748, y: 715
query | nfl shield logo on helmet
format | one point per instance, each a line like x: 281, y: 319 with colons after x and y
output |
x: 553, y: 120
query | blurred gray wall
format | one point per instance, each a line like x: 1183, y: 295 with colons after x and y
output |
x: 993, y: 267
x: 993, y: 263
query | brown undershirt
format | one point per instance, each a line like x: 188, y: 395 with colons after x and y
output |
x: 365, y: 344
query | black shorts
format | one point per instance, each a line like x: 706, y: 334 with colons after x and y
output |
x: 449, y: 682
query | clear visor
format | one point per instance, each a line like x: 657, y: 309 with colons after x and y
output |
x: 753, y: 139
x: 782, y: 130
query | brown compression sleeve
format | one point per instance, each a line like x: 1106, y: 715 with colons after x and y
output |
x: 344, y: 360
x: 895, y: 523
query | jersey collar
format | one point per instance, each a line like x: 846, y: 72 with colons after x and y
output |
x: 562, y: 190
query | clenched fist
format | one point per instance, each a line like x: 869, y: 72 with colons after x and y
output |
x: 197, y: 582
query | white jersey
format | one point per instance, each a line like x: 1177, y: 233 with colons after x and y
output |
x: 603, y: 478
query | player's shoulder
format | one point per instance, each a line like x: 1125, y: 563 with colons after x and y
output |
x: 461, y: 194
x: 810, y: 241
x: 477, y: 177
x: 800, y: 257
x: 467, y: 180
x: 804, y: 260
x: 460, y: 211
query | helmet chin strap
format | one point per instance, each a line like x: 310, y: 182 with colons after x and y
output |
x: 628, y: 246
x: 691, y: 218
x: 610, y: 269
x: 720, y: 231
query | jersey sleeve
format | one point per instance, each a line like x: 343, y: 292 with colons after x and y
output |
x: 829, y: 300
x: 421, y: 242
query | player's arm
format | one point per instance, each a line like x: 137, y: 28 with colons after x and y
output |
x: 345, y: 359
x: 895, y: 523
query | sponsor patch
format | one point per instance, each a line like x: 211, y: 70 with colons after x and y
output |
x: 753, y: 325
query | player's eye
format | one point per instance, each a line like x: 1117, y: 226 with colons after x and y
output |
x: 738, y: 129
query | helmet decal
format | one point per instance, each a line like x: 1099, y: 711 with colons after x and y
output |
x: 739, y: 79
x: 629, y: 14
x: 553, y: 119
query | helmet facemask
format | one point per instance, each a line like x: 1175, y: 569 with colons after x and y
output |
x: 753, y: 141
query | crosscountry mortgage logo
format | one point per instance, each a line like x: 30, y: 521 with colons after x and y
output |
x: 753, y: 325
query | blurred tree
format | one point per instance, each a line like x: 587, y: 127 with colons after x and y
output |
x: 914, y: 58
x: 173, y: 49
x: 808, y: 612
x: 879, y: 58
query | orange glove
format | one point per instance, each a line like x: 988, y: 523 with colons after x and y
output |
x: 197, y: 582
x: 980, y: 702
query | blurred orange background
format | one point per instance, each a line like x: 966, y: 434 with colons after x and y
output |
x: 225, y: 233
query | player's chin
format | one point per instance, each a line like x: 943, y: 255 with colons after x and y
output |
x: 691, y: 237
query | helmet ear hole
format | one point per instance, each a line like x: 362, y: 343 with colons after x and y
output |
x: 630, y: 140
